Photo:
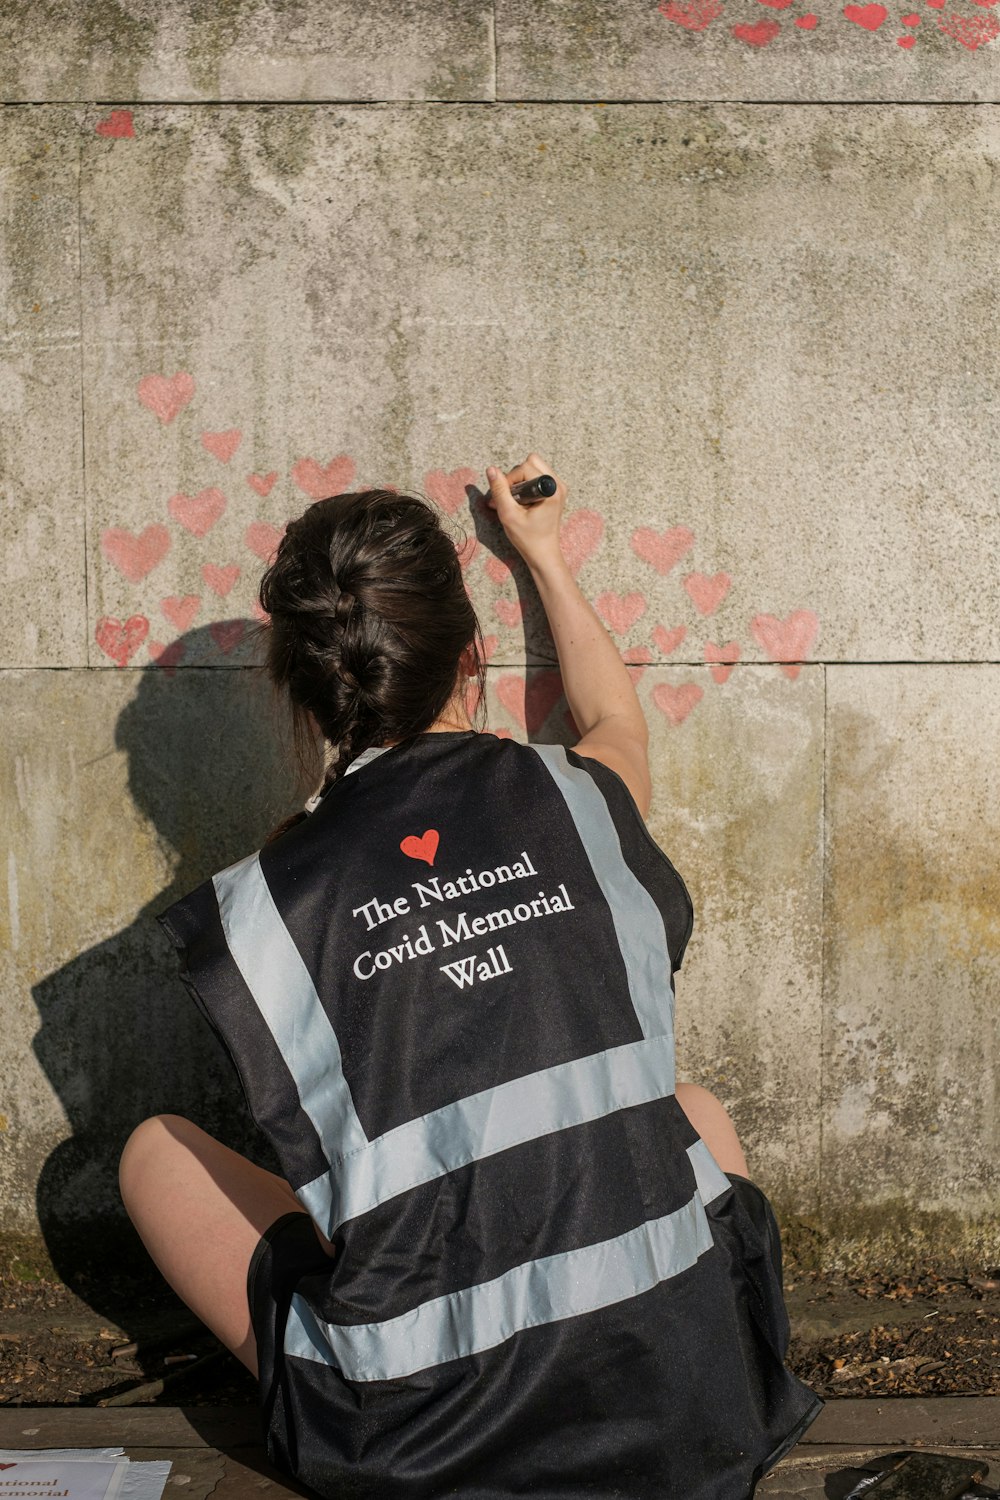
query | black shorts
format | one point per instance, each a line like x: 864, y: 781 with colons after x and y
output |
x: 288, y: 1249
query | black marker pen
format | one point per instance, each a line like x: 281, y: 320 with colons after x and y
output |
x: 534, y: 491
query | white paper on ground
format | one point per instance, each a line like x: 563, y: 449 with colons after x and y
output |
x: 28, y: 1477
x: 136, y: 1480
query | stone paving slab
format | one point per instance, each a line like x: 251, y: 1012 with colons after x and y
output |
x: 42, y: 572
x: 912, y: 955
x: 222, y: 1446
x: 251, y: 50
x: 733, y: 49
x: 773, y: 406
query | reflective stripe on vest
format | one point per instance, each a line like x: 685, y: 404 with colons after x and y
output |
x: 539, y: 1291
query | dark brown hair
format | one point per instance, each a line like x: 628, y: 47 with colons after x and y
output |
x: 368, y: 618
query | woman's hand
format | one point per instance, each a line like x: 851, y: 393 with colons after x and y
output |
x: 533, y: 529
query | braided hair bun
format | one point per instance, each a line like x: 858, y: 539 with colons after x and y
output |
x: 369, y: 617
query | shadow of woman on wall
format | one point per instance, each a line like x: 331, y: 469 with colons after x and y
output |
x: 210, y: 766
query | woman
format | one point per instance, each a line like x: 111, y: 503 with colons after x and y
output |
x: 506, y: 1254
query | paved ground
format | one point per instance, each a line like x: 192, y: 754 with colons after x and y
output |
x: 217, y: 1451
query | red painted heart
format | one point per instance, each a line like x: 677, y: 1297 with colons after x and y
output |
x: 165, y: 398
x: 677, y: 700
x: 222, y: 445
x: 695, y: 15
x: 197, y: 513
x: 707, y: 593
x: 180, y: 612
x: 510, y: 611
x: 263, y: 538
x: 868, y: 16
x: 319, y: 483
x: 579, y: 537
x: 664, y: 549
x: 423, y: 848
x: 167, y: 657
x: 636, y: 659
x: 220, y: 580
x: 135, y: 556
x: 227, y: 634
x: 786, y: 640
x: 620, y: 611
x: 121, y: 641
x: 723, y: 658
x: 262, y: 483
x: 449, y: 489
x: 971, y: 32
x: 530, y: 705
x: 117, y: 125
x: 668, y: 640
x: 758, y: 35
x: 497, y: 569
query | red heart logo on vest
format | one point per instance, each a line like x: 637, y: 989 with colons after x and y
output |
x: 423, y: 848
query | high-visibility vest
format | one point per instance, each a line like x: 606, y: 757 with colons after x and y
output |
x: 448, y: 995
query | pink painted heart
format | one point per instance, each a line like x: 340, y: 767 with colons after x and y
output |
x: 510, y: 611
x: 118, y: 125
x: 180, y: 612
x: 636, y: 659
x: 467, y: 551
x: 668, y: 640
x: 808, y: 22
x: 579, y: 537
x: 227, y: 634
x: 425, y: 847
x: 906, y: 42
x: 757, y: 35
x: 135, y: 555
x: 262, y: 483
x: 971, y: 32
x: 165, y: 398
x: 490, y: 644
x: 530, y: 705
x: 786, y: 640
x: 167, y: 657
x: 258, y: 613
x: 220, y: 579
x: 776, y: 4
x: 497, y: 569
x: 707, y: 593
x: 121, y: 641
x: 620, y: 611
x: 695, y: 15
x: 662, y: 549
x: 222, y: 445
x: 262, y: 538
x: 319, y: 483
x: 677, y: 701
x: 723, y: 657
x: 197, y: 513
x: 448, y: 489
x: 868, y: 16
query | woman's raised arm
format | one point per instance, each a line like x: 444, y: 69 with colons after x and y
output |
x: 598, y: 687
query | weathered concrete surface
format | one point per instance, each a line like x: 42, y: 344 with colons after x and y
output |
x: 774, y: 405
x: 42, y: 573
x: 911, y: 1046
x: 118, y: 793
x: 734, y: 49
x: 245, y: 49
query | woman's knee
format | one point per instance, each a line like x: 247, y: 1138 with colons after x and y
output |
x: 148, y: 1140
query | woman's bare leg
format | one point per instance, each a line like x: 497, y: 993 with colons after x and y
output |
x: 200, y: 1210
x: 711, y: 1120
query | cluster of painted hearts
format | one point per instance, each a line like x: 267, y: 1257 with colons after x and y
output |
x: 135, y: 555
x: 970, y: 31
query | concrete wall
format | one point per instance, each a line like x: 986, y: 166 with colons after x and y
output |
x: 294, y: 251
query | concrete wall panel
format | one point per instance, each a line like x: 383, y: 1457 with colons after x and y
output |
x: 350, y: 297
x: 118, y: 793
x: 42, y: 577
x: 245, y: 49
x: 731, y: 49
x: 911, y: 1135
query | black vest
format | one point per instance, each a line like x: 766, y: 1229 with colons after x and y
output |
x: 448, y: 994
